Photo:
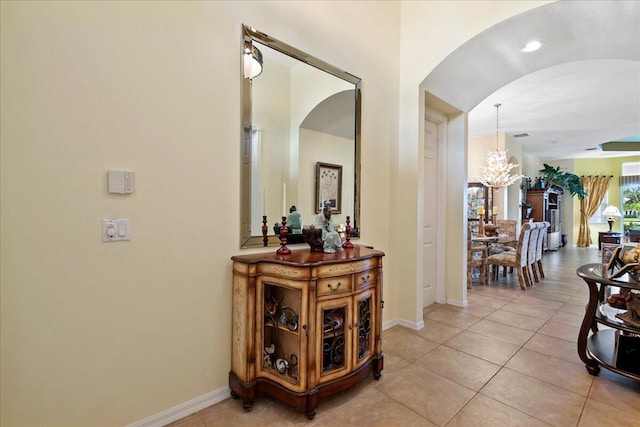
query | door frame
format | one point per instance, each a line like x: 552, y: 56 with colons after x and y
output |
x: 441, y: 121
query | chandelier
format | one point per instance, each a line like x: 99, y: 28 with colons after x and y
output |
x: 497, y: 172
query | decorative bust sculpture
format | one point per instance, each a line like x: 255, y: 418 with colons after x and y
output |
x: 331, y: 239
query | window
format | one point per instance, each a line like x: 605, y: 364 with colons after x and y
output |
x: 597, y: 217
x: 630, y: 188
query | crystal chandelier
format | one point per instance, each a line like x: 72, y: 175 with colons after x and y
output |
x: 497, y: 172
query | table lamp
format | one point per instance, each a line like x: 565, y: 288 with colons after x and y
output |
x: 610, y: 212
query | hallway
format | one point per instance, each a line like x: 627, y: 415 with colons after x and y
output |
x: 509, y: 359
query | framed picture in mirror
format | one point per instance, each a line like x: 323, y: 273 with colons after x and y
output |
x: 328, y: 187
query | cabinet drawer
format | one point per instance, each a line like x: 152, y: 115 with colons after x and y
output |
x: 365, y: 278
x: 334, y: 285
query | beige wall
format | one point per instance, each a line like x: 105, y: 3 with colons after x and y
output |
x: 110, y: 333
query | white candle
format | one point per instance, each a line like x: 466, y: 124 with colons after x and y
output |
x: 264, y: 201
x: 495, y: 210
x: 284, y: 199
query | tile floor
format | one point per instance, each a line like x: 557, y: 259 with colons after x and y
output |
x: 509, y: 359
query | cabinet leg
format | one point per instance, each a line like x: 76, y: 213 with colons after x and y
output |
x: 593, y: 369
x: 311, y: 414
x: 248, y: 406
x: 234, y: 395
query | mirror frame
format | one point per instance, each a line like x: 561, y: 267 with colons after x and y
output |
x: 249, y: 35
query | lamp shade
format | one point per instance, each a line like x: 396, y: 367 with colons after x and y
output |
x: 252, y: 61
x: 611, y: 211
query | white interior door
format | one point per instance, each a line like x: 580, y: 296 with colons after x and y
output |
x: 430, y: 216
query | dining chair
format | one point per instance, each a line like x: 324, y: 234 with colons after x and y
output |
x: 531, y: 252
x: 516, y: 259
x: 507, y: 228
x: 473, y: 260
x: 540, y: 246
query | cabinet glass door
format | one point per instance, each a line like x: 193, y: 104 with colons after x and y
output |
x: 364, y: 321
x: 281, y: 340
x: 334, y: 320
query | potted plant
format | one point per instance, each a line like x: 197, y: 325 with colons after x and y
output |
x: 565, y: 180
x: 527, y: 207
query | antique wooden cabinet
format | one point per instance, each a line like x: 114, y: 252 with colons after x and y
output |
x: 305, y: 326
x: 547, y: 206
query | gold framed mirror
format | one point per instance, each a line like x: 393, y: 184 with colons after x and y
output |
x: 298, y: 112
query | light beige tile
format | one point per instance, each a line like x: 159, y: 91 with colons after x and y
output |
x: 485, y: 412
x: 393, y: 363
x: 578, y: 310
x: 545, y: 401
x: 516, y: 320
x: 192, y: 420
x: 554, y: 297
x: 598, y: 414
x: 617, y: 391
x: 431, y: 307
x: 578, y: 300
x: 559, y: 372
x: 502, y: 332
x: 555, y: 347
x: 489, y: 349
x: 458, y: 320
x: 267, y: 412
x: 477, y: 310
x: 560, y: 330
x: 432, y: 396
x: 405, y: 344
x: 530, y: 310
x: 371, y: 408
x: 567, y: 318
x: 464, y: 369
x: 437, y: 331
x: 489, y: 301
x: 533, y: 299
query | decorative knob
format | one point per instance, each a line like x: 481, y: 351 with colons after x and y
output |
x: 334, y: 287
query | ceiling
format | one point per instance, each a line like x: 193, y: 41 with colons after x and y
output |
x: 579, y: 90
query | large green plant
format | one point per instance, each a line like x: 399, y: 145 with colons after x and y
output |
x: 568, y: 181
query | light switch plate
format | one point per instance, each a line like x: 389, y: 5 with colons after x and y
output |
x: 114, y: 230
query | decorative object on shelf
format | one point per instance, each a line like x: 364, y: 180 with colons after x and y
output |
x: 611, y: 212
x: 313, y: 238
x: 265, y: 239
x: 497, y: 172
x: 528, y: 208
x: 328, y: 187
x: 283, y: 249
x: 252, y: 61
x: 347, y: 244
x: 565, y: 180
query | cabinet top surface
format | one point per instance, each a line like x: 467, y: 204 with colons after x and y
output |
x: 306, y: 257
x: 596, y: 273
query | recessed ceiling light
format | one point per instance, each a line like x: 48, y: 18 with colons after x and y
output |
x: 532, y: 46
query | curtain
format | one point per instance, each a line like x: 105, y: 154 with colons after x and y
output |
x: 596, y: 188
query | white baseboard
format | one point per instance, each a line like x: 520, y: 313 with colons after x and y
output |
x: 410, y: 325
x: 458, y: 303
x: 184, y: 409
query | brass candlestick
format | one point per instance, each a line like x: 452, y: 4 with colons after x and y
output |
x: 481, y: 227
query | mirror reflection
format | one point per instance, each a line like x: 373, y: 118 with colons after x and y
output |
x: 300, y: 142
